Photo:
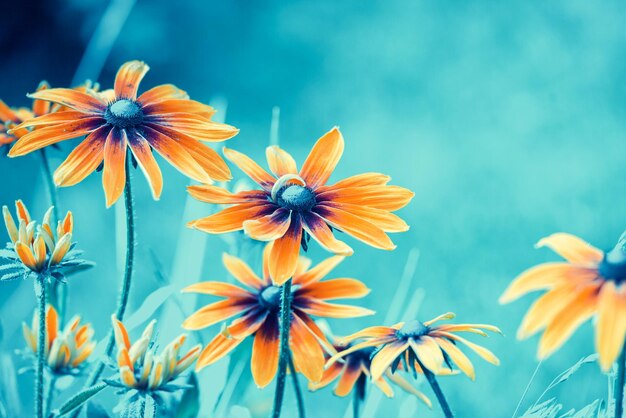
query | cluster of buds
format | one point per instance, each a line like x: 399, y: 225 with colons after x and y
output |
x: 38, y: 248
x: 140, y: 368
x: 66, y: 350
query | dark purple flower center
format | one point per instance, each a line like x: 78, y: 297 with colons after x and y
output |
x: 412, y: 329
x: 296, y: 197
x: 613, y: 265
x: 124, y: 113
x: 270, y: 297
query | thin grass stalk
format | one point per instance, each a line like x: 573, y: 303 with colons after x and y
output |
x: 619, y: 383
x: 40, y: 293
x: 285, y: 322
x: 127, y: 278
x: 441, y: 398
x: 297, y: 389
x: 50, y: 394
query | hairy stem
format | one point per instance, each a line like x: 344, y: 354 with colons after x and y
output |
x: 619, y: 384
x: 50, y: 394
x: 297, y: 389
x: 285, y: 322
x: 40, y: 292
x: 432, y: 381
x: 359, y: 395
x: 127, y: 279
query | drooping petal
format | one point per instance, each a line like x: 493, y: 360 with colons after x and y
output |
x: 357, y: 227
x: 280, y: 161
x: 83, y: 160
x: 611, y: 325
x: 428, y: 352
x: 241, y: 271
x: 484, y: 353
x: 348, y: 379
x: 370, y: 332
x: 385, y: 356
x: 264, y: 363
x: 328, y: 376
x: 335, y: 289
x: 321, y: 232
x: 252, y: 169
x: 41, y: 107
x: 546, y: 276
x: 322, y: 159
x: 7, y: 114
x: 148, y: 165
x: 572, y: 248
x: 284, y: 253
x: 217, y: 349
x: 306, y: 350
x: 458, y: 357
x: 128, y: 78
x: 270, y: 227
x: 407, y: 387
x: 248, y: 324
x: 40, y: 138
x: 232, y: 218
x: 114, y: 173
x: 73, y: 99
x: 175, y: 154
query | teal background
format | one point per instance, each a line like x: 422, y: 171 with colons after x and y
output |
x: 505, y: 118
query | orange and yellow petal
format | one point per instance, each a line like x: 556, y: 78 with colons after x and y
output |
x: 73, y: 99
x: 145, y: 160
x: 307, y: 352
x: 572, y: 248
x: 280, y: 161
x: 283, y: 257
x: 357, y: 227
x: 265, y: 353
x: 83, y: 160
x: 269, y: 227
x: 252, y: 169
x: 323, y: 159
x: 611, y: 325
x: 317, y: 227
x: 128, y: 78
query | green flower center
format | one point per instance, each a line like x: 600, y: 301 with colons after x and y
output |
x: 124, y: 113
x: 412, y: 329
x: 296, y: 197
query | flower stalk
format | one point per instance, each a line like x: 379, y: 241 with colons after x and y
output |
x: 284, y: 355
x: 441, y: 398
x: 619, y: 383
x: 297, y: 389
x: 40, y: 293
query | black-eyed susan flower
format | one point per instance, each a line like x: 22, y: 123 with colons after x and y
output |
x: 353, y: 371
x: 295, y: 204
x: 39, y: 249
x: 139, y: 366
x: 589, y: 282
x: 161, y: 119
x: 420, y: 344
x: 66, y: 349
x: 11, y: 117
x: 257, y: 306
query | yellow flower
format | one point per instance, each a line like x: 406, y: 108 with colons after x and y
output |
x: 66, y: 350
x: 141, y: 368
x: 42, y: 248
x: 590, y: 282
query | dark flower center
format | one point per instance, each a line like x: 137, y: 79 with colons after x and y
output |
x: 412, y: 329
x: 124, y: 113
x: 270, y: 297
x: 613, y: 265
x: 296, y: 197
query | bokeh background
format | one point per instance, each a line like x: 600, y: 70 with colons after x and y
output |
x: 507, y: 119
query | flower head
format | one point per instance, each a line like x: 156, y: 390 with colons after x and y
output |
x: 11, y: 117
x: 66, y: 350
x: 257, y: 306
x: 161, y: 119
x: 294, y: 205
x: 413, y: 345
x: 141, y: 368
x: 590, y: 282
x: 40, y: 249
x: 353, y: 370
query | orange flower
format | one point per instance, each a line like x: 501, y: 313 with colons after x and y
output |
x: 162, y: 118
x: 13, y: 117
x: 589, y: 283
x: 294, y: 205
x: 419, y: 344
x: 67, y: 349
x: 258, y: 307
x: 354, y: 370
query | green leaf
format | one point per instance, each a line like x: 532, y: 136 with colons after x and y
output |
x: 80, y: 398
x: 189, y: 405
x: 149, y: 306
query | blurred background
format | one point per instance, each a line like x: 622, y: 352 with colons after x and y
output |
x: 505, y: 118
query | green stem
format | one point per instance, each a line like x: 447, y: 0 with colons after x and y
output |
x: 432, y: 380
x: 40, y: 292
x: 50, y: 394
x: 285, y: 322
x: 297, y: 389
x: 142, y: 408
x: 127, y: 279
x: 619, y: 383
x: 58, y: 288
x: 359, y: 395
